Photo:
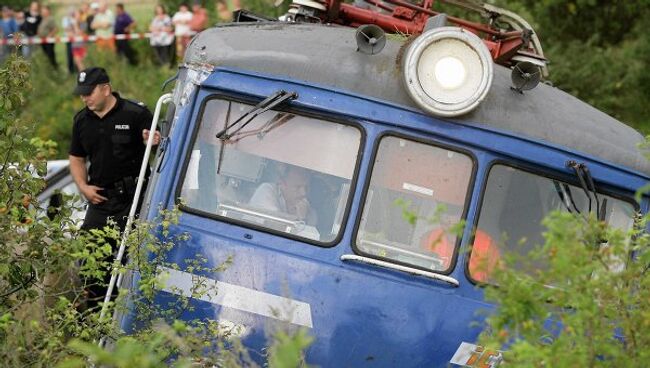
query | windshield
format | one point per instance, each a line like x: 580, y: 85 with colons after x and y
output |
x: 283, y: 171
x: 514, y: 205
x: 413, y: 207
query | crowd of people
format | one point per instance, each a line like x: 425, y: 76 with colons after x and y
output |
x: 169, y: 34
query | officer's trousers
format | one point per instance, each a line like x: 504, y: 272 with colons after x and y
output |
x: 116, y: 208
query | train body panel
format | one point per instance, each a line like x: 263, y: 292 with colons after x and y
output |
x: 359, y: 277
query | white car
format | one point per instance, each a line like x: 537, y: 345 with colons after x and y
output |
x: 58, y: 180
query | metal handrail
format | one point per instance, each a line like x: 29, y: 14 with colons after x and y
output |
x: 401, y: 250
x: 411, y: 270
x: 166, y: 98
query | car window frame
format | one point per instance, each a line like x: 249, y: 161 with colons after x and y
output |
x: 294, y: 107
x: 534, y: 170
x: 430, y: 141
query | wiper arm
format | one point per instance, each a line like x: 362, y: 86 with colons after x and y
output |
x: 564, y: 192
x: 589, y: 187
x: 268, y: 103
x: 276, y: 121
x: 601, y: 206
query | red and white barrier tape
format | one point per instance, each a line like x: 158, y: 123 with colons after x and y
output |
x: 24, y: 40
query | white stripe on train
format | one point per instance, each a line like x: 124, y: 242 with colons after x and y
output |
x: 238, y: 297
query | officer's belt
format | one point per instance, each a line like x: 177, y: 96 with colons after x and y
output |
x: 124, y: 186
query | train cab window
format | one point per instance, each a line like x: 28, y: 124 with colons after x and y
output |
x: 514, y: 205
x: 282, y: 171
x: 416, y: 195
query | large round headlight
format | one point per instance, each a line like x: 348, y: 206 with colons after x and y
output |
x: 447, y: 71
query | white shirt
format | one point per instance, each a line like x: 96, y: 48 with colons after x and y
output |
x: 181, y: 22
x: 106, y: 17
x: 268, y: 197
x: 160, y: 37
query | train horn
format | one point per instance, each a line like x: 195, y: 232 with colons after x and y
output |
x: 370, y: 39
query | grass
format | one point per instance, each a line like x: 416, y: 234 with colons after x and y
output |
x: 51, y: 105
x: 141, y: 12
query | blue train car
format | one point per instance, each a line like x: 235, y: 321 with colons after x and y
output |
x: 333, y: 182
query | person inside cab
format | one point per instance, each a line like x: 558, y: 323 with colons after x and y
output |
x: 288, y: 195
x: 485, y: 255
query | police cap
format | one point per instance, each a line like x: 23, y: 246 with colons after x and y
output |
x: 88, y: 79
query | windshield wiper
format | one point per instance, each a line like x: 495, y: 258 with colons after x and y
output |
x: 589, y: 187
x: 268, y: 103
x: 276, y: 121
x: 564, y: 192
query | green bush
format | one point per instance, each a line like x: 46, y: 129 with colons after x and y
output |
x: 46, y: 264
x: 594, y: 295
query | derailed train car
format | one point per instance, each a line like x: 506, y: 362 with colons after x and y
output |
x: 330, y: 162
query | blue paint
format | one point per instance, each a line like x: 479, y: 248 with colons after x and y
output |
x: 362, y: 315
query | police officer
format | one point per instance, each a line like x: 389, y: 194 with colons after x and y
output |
x: 110, y: 133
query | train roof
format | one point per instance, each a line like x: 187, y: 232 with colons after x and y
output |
x: 327, y: 55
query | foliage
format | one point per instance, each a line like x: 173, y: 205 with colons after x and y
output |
x: 600, y: 22
x: 37, y: 293
x: 17, y: 4
x: 45, y: 265
x: 287, y: 351
x: 594, y: 297
x: 599, y: 51
x: 266, y: 7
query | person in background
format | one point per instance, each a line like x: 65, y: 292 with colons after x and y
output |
x: 30, y: 26
x: 9, y: 28
x: 124, y: 24
x: 225, y: 9
x: 8, y: 22
x: 47, y: 28
x: 162, y: 36
x: 19, y: 16
x: 485, y: 256
x: 199, y: 20
x: 92, y: 11
x: 78, y: 45
x: 68, y: 24
x: 82, y: 17
x: 182, y: 30
x: 103, y: 26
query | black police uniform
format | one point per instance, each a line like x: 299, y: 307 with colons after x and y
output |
x: 113, y: 144
x: 30, y: 25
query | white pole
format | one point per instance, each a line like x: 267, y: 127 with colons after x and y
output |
x: 143, y: 169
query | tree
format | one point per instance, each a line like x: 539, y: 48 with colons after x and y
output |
x: 588, y: 307
x: 599, y: 51
x: 42, y: 319
x: 17, y: 4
